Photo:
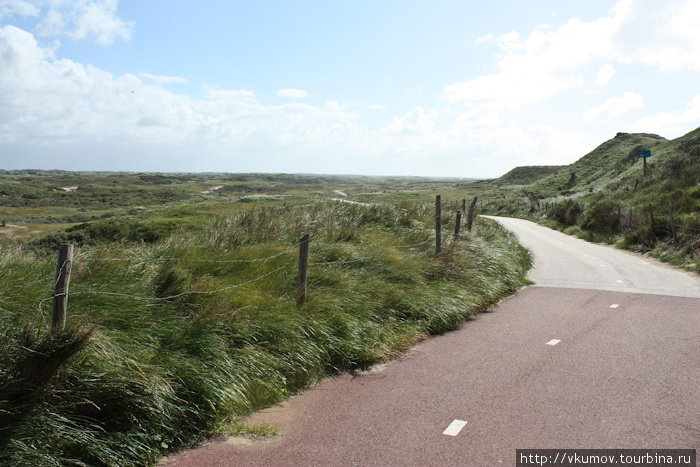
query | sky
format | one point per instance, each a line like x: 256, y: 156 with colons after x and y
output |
x: 450, y: 88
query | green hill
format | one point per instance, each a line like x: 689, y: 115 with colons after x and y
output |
x: 606, y: 196
x: 602, y: 165
x: 528, y: 174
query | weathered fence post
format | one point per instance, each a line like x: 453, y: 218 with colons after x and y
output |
x: 464, y: 205
x: 673, y: 224
x: 303, y: 266
x: 438, y: 227
x: 459, y: 221
x: 470, y: 215
x: 60, y: 296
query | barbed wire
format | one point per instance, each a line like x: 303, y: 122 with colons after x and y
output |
x: 155, y: 299
x: 59, y: 273
x: 170, y: 258
x: 635, y: 214
x: 338, y: 261
x: 413, y: 245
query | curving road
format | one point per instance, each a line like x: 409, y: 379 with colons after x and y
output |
x: 565, y: 261
x: 579, y: 360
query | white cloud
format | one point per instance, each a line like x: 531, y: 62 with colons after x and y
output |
x: 160, y: 80
x: 532, y: 69
x: 64, y: 105
x: 377, y: 107
x: 99, y: 19
x: 604, y: 75
x: 78, y: 19
x: 416, y: 121
x: 292, y: 93
x: 614, y: 107
x: 660, y: 34
x: 10, y: 8
x: 671, y: 124
x: 511, y: 89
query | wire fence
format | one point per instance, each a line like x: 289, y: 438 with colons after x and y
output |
x: 618, y: 219
x: 663, y: 217
x: 85, y: 260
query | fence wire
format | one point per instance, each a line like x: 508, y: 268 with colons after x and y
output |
x: 172, y: 259
x: 154, y: 299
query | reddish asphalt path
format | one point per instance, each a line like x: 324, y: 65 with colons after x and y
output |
x: 625, y: 374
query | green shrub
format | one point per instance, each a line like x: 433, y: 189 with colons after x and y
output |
x: 641, y: 236
x: 105, y: 231
x: 566, y: 213
x: 602, y: 217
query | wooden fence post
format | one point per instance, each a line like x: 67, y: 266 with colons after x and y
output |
x: 470, y: 215
x: 60, y: 296
x: 459, y: 220
x: 438, y: 226
x: 303, y: 266
x: 464, y: 205
x: 673, y: 225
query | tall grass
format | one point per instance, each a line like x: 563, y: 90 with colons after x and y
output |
x: 134, y: 376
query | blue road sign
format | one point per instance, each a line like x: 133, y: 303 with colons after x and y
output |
x: 644, y: 154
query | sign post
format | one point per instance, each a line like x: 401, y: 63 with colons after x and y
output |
x: 644, y: 155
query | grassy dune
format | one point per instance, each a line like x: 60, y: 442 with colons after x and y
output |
x: 206, y: 330
x: 606, y: 197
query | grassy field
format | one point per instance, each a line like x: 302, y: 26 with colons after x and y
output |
x: 181, y: 313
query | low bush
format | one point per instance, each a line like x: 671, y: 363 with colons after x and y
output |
x: 602, y: 217
x: 642, y: 236
x: 566, y: 213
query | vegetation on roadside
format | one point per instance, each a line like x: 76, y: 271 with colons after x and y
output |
x: 175, y: 332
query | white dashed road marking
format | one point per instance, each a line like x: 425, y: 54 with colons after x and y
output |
x: 554, y: 342
x: 454, y: 428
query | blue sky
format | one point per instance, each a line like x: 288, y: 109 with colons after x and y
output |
x: 440, y: 88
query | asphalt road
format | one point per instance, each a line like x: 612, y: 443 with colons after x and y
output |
x: 554, y: 366
x: 565, y: 261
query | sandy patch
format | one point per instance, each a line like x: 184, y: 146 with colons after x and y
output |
x: 16, y: 231
x: 212, y: 189
x: 350, y: 202
x: 69, y: 189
